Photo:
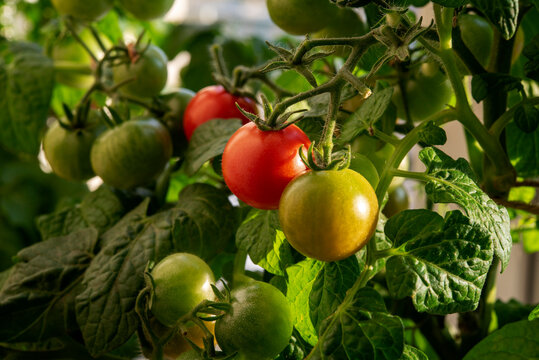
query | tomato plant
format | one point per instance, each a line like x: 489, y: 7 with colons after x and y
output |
x: 179, y: 283
x: 214, y: 102
x: 131, y: 154
x: 144, y: 74
x: 257, y: 165
x: 259, y: 324
x: 300, y: 263
x: 328, y: 215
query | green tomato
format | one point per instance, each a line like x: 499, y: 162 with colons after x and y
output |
x: 328, y: 215
x: 300, y: 17
x: 426, y: 94
x: 397, y: 201
x: 147, y: 10
x: 176, y: 101
x: 477, y: 35
x: 132, y: 154
x: 346, y: 23
x: 68, y: 150
x: 259, y: 325
x: 181, y: 281
x: 361, y: 164
x: 83, y: 9
x: 147, y: 70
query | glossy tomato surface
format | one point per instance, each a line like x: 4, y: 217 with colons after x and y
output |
x: 257, y: 165
x: 214, y: 102
x: 180, y: 281
x: 131, y: 154
x: 299, y: 17
x: 258, y: 326
x: 83, y: 9
x: 328, y: 215
x: 147, y: 72
x: 147, y: 10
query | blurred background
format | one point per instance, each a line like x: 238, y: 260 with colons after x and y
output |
x: 27, y: 189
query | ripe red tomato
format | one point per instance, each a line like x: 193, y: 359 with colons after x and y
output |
x: 214, y: 102
x: 257, y: 165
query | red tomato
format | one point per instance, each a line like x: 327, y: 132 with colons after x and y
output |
x: 257, y: 165
x: 214, y: 102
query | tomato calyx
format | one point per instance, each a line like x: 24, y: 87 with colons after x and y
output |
x: 313, y: 159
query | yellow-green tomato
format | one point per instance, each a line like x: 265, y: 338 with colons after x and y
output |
x: 83, y: 9
x: 328, y: 215
x: 132, y: 154
x: 346, y: 23
x: 147, y: 10
x: 146, y: 73
x: 258, y: 326
x: 181, y: 281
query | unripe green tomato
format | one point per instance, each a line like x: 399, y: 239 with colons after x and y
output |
x: 300, y: 17
x: 147, y: 10
x: 397, y: 201
x: 132, y: 154
x: 426, y: 95
x: 148, y: 71
x: 361, y: 164
x: 68, y: 151
x: 180, y: 282
x: 477, y: 34
x: 177, y: 101
x: 83, y: 9
x: 328, y: 215
x: 258, y: 326
x: 380, y: 158
x: 346, y: 23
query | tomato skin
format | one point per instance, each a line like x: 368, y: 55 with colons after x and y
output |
x: 181, y: 281
x: 149, y: 72
x: 177, y: 101
x: 361, y: 164
x: 83, y: 9
x: 259, y: 325
x: 68, y: 151
x: 214, y: 102
x: 477, y: 35
x: 147, y: 10
x: 132, y: 154
x: 328, y: 215
x: 426, y: 95
x: 397, y: 201
x: 257, y: 165
x: 300, y: 17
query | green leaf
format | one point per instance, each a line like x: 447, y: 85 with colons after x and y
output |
x: 451, y: 181
x: 519, y: 340
x: 301, y: 278
x: 534, y: 315
x: 37, y: 298
x: 486, y: 83
x: 441, y: 263
x: 106, y: 307
x: 502, y: 13
x: 527, y: 118
x: 27, y: 79
x: 208, y: 141
x: 206, y: 221
x: 367, y: 115
x: 361, y: 330
x: 451, y: 3
x: 100, y: 209
x: 432, y: 135
x: 523, y: 150
x: 260, y: 235
x: 330, y: 287
x: 511, y: 311
x: 413, y: 353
